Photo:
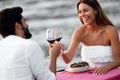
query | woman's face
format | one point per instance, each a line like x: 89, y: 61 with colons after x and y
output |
x: 86, y: 14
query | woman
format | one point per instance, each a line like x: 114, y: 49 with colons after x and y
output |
x: 99, y: 38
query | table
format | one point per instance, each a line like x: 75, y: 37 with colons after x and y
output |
x: 113, y: 74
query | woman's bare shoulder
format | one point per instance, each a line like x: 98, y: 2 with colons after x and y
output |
x: 80, y: 29
x: 110, y: 29
x: 79, y: 32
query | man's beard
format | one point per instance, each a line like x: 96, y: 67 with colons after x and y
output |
x: 26, y: 33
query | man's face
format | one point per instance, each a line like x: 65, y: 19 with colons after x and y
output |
x: 25, y: 29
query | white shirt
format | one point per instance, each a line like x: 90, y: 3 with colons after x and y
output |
x: 22, y: 59
x: 97, y: 56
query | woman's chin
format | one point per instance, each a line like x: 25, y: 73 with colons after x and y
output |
x: 86, y: 23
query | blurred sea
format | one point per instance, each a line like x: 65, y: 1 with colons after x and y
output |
x: 42, y: 14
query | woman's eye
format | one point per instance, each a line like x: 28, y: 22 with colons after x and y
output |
x: 85, y: 10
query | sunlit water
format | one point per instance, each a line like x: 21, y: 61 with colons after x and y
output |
x: 42, y: 14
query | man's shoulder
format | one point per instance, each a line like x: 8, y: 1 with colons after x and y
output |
x: 19, y: 40
x: 28, y: 41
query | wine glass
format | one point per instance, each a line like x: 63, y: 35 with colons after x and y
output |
x: 58, y: 34
x: 50, y: 35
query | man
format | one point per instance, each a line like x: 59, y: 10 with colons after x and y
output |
x: 21, y: 58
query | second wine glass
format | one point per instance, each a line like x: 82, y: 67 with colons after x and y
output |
x: 58, y: 34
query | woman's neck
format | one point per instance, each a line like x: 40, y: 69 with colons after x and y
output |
x: 93, y: 27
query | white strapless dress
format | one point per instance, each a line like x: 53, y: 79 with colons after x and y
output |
x: 97, y: 56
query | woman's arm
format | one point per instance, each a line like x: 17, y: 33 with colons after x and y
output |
x: 112, y: 34
x: 68, y: 55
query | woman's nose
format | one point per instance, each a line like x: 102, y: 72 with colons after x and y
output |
x: 81, y: 14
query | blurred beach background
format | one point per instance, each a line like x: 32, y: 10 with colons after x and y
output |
x: 43, y: 14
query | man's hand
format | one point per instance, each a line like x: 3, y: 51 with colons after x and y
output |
x: 54, y: 52
x: 55, y: 49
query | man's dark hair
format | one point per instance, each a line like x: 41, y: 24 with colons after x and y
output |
x: 8, y: 18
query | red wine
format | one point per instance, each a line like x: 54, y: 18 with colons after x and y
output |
x: 51, y: 41
x: 58, y: 39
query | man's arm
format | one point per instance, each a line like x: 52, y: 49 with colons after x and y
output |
x: 54, y: 52
x: 38, y: 66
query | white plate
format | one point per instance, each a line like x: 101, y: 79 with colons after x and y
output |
x: 77, y: 69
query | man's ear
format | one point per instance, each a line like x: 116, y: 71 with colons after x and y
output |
x: 17, y: 26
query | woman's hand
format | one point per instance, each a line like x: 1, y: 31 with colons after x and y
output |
x: 102, y: 70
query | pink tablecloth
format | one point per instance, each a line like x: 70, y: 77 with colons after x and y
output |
x: 111, y: 75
